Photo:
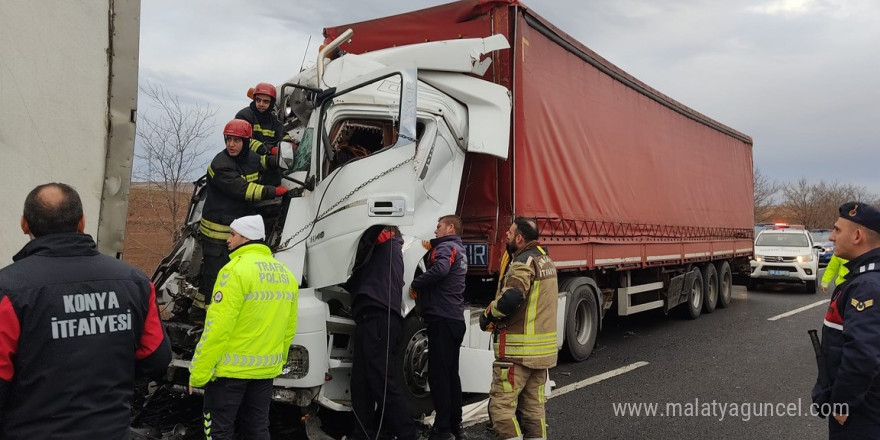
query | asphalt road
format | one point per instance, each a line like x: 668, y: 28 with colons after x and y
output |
x: 699, y: 370
x: 729, y: 374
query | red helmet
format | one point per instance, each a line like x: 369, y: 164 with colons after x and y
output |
x: 238, y: 128
x: 265, y: 89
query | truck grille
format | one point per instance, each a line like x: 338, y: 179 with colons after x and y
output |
x: 772, y: 259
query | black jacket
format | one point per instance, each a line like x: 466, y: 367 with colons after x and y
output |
x: 377, y: 280
x: 441, y: 286
x: 268, y: 129
x: 232, y: 189
x: 75, y: 328
x: 851, y: 341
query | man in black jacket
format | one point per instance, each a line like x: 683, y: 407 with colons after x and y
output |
x: 75, y: 328
x: 377, y: 286
x: 851, y: 330
x: 440, y: 292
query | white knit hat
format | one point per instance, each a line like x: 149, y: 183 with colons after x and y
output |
x: 250, y: 227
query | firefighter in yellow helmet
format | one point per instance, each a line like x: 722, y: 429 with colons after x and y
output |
x: 248, y: 329
x: 523, y: 321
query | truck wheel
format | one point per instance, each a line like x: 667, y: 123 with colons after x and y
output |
x: 694, y: 304
x: 581, y: 324
x: 810, y: 287
x: 710, y: 288
x: 411, y: 367
x: 725, y: 284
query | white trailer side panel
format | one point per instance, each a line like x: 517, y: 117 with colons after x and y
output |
x: 68, y: 92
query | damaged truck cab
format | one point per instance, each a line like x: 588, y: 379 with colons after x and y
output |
x: 382, y: 140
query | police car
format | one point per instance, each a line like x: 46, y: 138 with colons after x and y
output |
x: 785, y: 254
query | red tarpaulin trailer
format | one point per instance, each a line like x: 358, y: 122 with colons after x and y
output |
x: 617, y: 173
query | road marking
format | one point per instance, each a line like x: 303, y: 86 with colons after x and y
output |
x: 478, y: 412
x: 806, y: 307
x: 596, y: 379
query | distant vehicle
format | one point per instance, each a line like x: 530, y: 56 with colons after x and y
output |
x: 785, y: 254
x: 820, y: 237
x: 760, y: 227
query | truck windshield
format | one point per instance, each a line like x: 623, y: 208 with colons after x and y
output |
x: 782, y: 239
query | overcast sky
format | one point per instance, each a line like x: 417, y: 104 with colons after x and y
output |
x: 799, y: 76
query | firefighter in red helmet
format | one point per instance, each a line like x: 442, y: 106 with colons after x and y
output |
x: 232, y: 190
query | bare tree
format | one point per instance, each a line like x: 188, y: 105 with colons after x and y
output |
x: 814, y: 205
x: 765, y: 190
x: 171, y: 146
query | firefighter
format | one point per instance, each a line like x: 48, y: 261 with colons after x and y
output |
x: 232, y: 190
x: 523, y: 321
x: 268, y: 128
x: 850, y: 343
x: 76, y: 327
x: 247, y: 335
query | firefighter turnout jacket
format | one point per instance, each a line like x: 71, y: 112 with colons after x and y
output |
x: 76, y: 327
x: 528, y: 335
x: 268, y: 129
x: 232, y: 190
x: 251, y: 320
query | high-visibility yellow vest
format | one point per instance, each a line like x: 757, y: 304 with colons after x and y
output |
x: 251, y: 320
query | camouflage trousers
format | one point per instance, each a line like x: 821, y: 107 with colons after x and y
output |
x: 515, y: 387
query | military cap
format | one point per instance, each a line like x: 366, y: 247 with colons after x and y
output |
x: 861, y: 213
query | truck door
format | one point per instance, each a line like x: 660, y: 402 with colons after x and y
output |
x: 364, y: 165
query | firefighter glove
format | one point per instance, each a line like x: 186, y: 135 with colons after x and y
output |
x: 487, y: 320
x: 280, y: 191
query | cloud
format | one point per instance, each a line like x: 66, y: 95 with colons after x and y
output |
x: 796, y: 75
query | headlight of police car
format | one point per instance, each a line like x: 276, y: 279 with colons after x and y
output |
x: 804, y: 258
x: 759, y: 257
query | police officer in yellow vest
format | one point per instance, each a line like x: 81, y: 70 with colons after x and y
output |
x: 248, y: 329
x: 836, y: 270
x: 523, y: 320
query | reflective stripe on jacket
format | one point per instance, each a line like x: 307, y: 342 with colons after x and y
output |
x: 251, y: 320
x: 528, y: 336
x: 232, y: 189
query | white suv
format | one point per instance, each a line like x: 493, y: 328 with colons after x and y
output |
x: 785, y: 255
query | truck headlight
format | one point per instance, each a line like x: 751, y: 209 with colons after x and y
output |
x: 804, y: 258
x: 759, y: 257
x: 297, y: 365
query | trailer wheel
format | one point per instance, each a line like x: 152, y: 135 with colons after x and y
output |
x: 694, y: 304
x: 725, y: 284
x: 710, y: 288
x: 581, y: 324
x: 411, y: 367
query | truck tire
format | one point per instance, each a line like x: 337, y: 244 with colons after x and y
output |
x: 581, y: 324
x: 694, y: 304
x: 411, y: 367
x: 810, y: 287
x: 710, y: 288
x: 725, y: 284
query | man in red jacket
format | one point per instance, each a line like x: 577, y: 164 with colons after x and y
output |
x: 76, y: 327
